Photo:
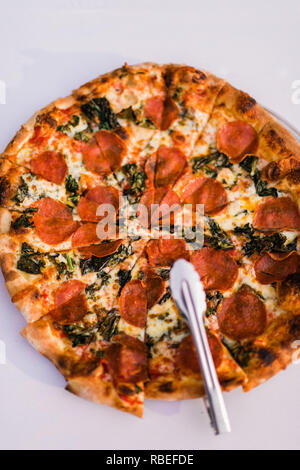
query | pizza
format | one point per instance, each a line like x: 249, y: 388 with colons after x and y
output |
x: 95, y: 291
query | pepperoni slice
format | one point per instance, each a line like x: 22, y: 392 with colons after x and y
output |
x: 216, y: 268
x: 71, y: 311
x: 187, y: 359
x: 133, y: 303
x: 164, y: 252
x: 208, y: 192
x: 51, y: 166
x: 103, y: 153
x: 93, y: 198
x: 243, y: 315
x: 68, y: 290
x: 104, y: 249
x: 161, y: 111
x: 268, y: 270
x: 277, y: 214
x: 237, y: 139
x: 168, y: 201
x: 53, y: 221
x: 154, y: 286
x: 127, y: 359
x: 85, y: 235
x: 170, y: 163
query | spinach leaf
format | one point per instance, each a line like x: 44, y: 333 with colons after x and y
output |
x: 136, y: 182
x: 24, y: 220
x: 249, y: 165
x: 95, y: 264
x: 213, y: 301
x: 72, y: 187
x: 99, y: 111
x: 21, y: 193
x: 105, y: 328
x: 130, y: 115
x: 30, y: 261
x: 219, y: 239
x: 63, y: 268
x: 165, y: 297
x: 240, y: 354
x: 124, y: 276
x: 261, y: 244
x: 211, y: 163
x: 65, y: 128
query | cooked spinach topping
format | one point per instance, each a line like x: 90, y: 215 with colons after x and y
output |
x: 98, y: 110
x: 72, y: 123
x: 166, y: 296
x: 211, y: 163
x: 83, y: 135
x: 138, y: 389
x: 130, y: 115
x: 105, y: 328
x: 72, y: 187
x: 219, y: 239
x: 24, y: 220
x: 63, y: 268
x: 124, y: 276
x: 213, y: 301
x: 164, y: 273
x: 30, y: 261
x: 249, y: 165
x: 136, y: 182
x: 177, y: 93
x: 261, y: 244
x: 95, y: 264
x: 241, y: 355
x: 21, y: 193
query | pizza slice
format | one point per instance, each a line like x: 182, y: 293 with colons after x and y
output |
x: 94, y: 334
x: 33, y: 277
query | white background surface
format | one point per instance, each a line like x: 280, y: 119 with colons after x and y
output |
x: 47, y: 51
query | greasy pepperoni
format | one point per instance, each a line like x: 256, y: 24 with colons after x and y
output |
x: 243, y: 315
x: 168, y: 202
x: 93, y: 198
x: 237, y: 139
x: 154, y: 286
x: 187, y: 359
x: 104, y: 249
x: 127, y: 359
x: 161, y: 111
x: 216, y: 268
x: 170, y: 163
x: 277, y: 214
x: 51, y: 166
x: 103, y: 153
x: 133, y: 303
x: 165, y: 251
x: 71, y: 311
x: 53, y: 221
x: 85, y: 235
x: 268, y: 269
x: 68, y: 290
x: 208, y: 192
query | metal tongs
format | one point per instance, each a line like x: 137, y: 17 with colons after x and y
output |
x: 188, y: 293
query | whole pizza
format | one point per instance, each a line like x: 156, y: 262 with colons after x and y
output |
x: 98, y: 302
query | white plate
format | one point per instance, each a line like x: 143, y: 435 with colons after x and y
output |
x: 45, y: 52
